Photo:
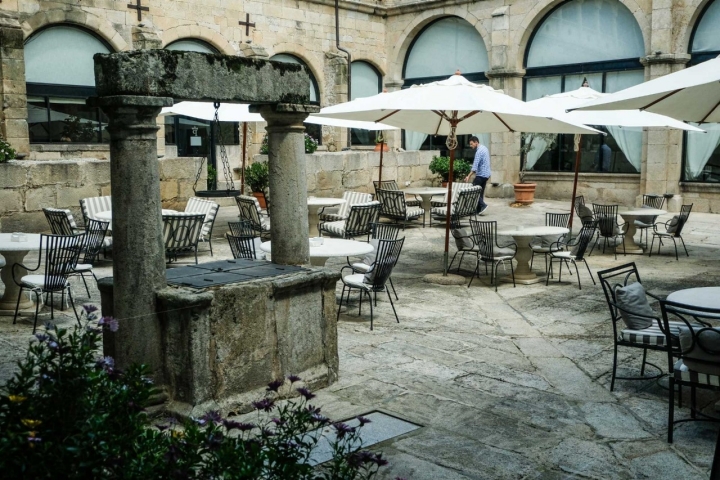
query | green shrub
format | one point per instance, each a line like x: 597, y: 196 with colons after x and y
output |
x: 310, y: 145
x: 257, y: 176
x: 6, y: 151
x: 441, y: 166
x: 68, y: 414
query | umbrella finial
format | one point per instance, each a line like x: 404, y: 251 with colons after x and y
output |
x: 384, y: 90
x: 585, y: 83
x: 457, y: 72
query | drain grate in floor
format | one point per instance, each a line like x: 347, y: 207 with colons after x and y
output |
x: 226, y: 271
x: 381, y: 427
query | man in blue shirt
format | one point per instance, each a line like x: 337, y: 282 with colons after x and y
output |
x: 481, y: 169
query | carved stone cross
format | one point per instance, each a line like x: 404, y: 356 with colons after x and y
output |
x: 139, y: 7
x: 246, y: 23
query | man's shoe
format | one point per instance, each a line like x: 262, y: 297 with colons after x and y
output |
x: 482, y: 212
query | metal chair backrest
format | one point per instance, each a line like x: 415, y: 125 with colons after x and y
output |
x: 579, y: 200
x: 242, y: 228
x: 388, y: 253
x: 92, y: 205
x: 61, y: 257
x: 606, y: 216
x: 485, y: 237
x: 242, y: 246
x: 208, y: 207
x: 385, y: 231
x: 587, y: 232
x: 95, y: 231
x: 698, y: 341
x: 352, y: 198
x: 392, y: 202
x: 465, y: 205
x: 557, y: 220
x: 386, y: 185
x: 250, y: 210
x: 682, y: 219
x: 181, y: 231
x: 654, y: 201
x: 60, y: 221
x: 621, y: 275
x: 361, y: 219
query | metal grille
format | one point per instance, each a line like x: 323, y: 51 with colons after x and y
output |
x: 227, y: 271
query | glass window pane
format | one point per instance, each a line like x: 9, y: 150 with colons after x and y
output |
x: 38, y: 120
x: 446, y: 46
x: 72, y: 121
x: 573, y: 82
x: 702, y: 154
x: 62, y: 55
x: 540, y: 86
x: 169, y: 129
x: 616, y: 81
x: 365, y: 80
x: 584, y: 31
x: 706, y: 36
x: 192, y: 137
x: 189, y: 45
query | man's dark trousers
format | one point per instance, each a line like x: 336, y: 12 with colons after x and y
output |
x: 482, y: 181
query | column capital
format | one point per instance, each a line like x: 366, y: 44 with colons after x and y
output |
x: 285, y: 115
x: 666, y: 58
x: 505, y: 73
x: 131, y: 116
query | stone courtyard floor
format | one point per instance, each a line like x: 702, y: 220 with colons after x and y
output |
x: 513, y: 384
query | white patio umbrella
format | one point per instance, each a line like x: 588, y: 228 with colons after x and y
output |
x: 613, y: 118
x: 690, y: 95
x: 453, y: 107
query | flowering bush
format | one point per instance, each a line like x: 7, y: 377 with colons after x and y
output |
x: 310, y: 145
x: 69, y: 414
x: 6, y: 151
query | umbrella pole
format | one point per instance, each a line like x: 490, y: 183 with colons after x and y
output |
x: 382, y: 147
x: 451, y: 175
x: 242, y: 167
x: 575, y: 182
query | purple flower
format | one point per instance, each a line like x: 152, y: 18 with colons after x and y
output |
x: 265, y: 404
x: 306, y: 393
x: 278, y: 421
x: 41, y: 337
x: 321, y: 419
x: 363, y: 421
x: 294, y: 378
x: 274, y: 385
x: 53, y: 345
x: 90, y: 309
x: 342, y: 429
x: 107, y: 363
x: 49, y: 326
x: 109, y: 322
x: 212, y: 416
x: 379, y: 461
x: 360, y: 458
x: 266, y: 433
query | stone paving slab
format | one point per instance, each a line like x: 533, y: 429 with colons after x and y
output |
x: 513, y: 384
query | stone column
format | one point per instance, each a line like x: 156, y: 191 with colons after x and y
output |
x: 138, y: 250
x: 288, y: 186
x: 336, y: 80
x: 13, y: 122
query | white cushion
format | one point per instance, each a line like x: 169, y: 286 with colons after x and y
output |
x: 35, y: 281
x: 83, y: 267
x: 356, y: 281
x: 361, y: 267
x: 414, y: 212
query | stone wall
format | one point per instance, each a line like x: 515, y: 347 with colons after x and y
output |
x: 705, y: 197
x: 26, y: 187
x: 622, y: 189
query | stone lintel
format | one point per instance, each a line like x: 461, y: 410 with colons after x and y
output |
x: 115, y: 101
x: 200, y: 77
x: 286, y: 108
x: 504, y: 73
x: 666, y: 58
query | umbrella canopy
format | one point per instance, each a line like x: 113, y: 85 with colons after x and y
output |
x: 477, y: 109
x: 690, y: 95
x: 619, y: 118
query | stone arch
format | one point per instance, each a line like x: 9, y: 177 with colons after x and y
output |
x: 537, y: 14
x: 306, y: 56
x: 687, y: 23
x: 198, y: 32
x: 419, y: 22
x: 89, y: 21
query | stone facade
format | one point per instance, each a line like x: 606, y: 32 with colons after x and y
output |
x: 380, y: 33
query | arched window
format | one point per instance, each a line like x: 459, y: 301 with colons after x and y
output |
x: 60, y: 76
x: 440, y: 49
x: 702, y: 150
x: 594, y: 40
x: 191, y: 45
x: 313, y: 130
x: 366, y: 81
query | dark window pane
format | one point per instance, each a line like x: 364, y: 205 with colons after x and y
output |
x: 73, y: 121
x: 362, y: 137
x: 38, y: 120
x: 193, y: 138
x: 169, y: 130
x: 315, y: 131
x: 229, y: 133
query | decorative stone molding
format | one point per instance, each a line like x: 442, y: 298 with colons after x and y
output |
x: 666, y: 58
x: 74, y: 15
x: 198, y: 32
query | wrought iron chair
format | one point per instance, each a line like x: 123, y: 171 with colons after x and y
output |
x: 61, y: 221
x: 673, y: 229
x: 181, y: 234
x: 92, y: 205
x: 380, y: 231
x: 61, y: 255
x: 543, y: 246
x: 210, y: 209
x: 250, y: 211
x: 359, y: 221
x: 485, y: 237
x: 464, y: 205
x: 652, y: 337
x: 457, y: 187
x: 642, y: 224
x: 608, y: 227
x: 395, y: 208
x: 699, y: 352
x: 334, y: 214
x: 465, y: 243
x: 375, y: 280
x: 244, y: 241
x: 94, y: 242
x: 559, y: 251
x: 393, y: 185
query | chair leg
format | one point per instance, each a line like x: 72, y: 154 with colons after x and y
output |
x: 614, y: 369
x: 393, y: 288
x: 683, y: 244
x: 360, y: 307
x: 589, y: 272
x: 512, y: 272
x: 52, y: 306
x: 82, y: 275
x: 675, y: 245
x: 472, y: 277
x: 549, y: 272
x: 371, y: 308
x: 642, y: 365
x: 392, y: 305
x: 72, y: 303
x: 453, y: 261
x: 651, y: 246
x: 671, y: 408
x: 693, y: 399
x: 532, y: 259
x: 37, y: 309
x: 342, y: 294
x: 17, y: 305
x: 577, y: 273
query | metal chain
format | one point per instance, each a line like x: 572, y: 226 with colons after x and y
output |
x: 223, y: 153
x: 199, y: 172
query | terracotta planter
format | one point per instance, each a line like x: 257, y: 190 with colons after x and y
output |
x: 260, y: 198
x: 525, y: 193
x: 386, y: 148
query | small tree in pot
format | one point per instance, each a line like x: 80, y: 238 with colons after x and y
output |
x: 257, y: 177
x: 525, y: 191
x: 441, y: 166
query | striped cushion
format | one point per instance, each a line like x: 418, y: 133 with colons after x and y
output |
x: 681, y: 372
x: 208, y: 207
x: 457, y: 187
x: 331, y: 217
x: 92, y: 205
x: 352, y: 198
x: 414, y: 212
x: 412, y: 203
x: 334, y: 228
x: 67, y: 213
x: 652, y: 335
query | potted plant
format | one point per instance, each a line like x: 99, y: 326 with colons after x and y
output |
x: 525, y: 191
x: 441, y: 166
x: 310, y: 145
x: 257, y: 178
x: 6, y: 151
x: 380, y: 142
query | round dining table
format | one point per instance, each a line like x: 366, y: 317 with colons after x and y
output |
x: 523, y: 236
x: 314, y: 206
x: 703, y: 297
x: 331, y: 247
x: 629, y: 216
x: 426, y: 194
x: 14, y: 252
